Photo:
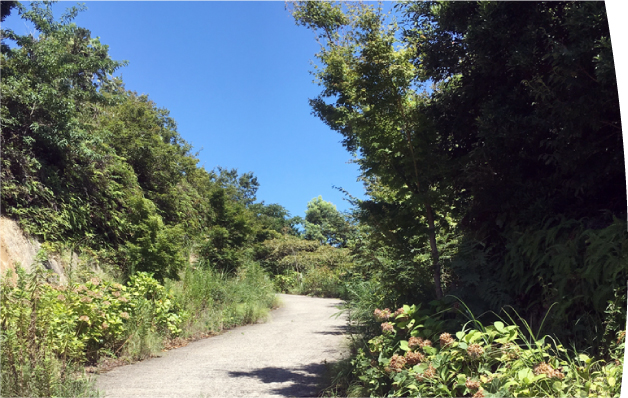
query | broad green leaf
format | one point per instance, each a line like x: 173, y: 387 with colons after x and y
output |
x: 525, y: 375
x: 584, y: 358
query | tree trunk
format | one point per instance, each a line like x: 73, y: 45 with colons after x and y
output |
x: 435, y: 255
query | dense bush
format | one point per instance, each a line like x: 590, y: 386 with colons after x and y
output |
x: 414, y: 356
x: 40, y: 347
x: 301, y: 266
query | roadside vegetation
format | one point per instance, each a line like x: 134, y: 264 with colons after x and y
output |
x: 156, y: 251
x: 492, y: 250
x: 490, y: 257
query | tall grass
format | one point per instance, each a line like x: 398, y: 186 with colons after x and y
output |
x: 218, y: 301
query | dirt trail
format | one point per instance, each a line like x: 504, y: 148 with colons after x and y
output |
x: 283, y: 357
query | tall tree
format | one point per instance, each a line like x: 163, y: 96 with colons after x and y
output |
x: 324, y: 223
x: 527, y: 93
x: 53, y: 88
x: 373, y: 95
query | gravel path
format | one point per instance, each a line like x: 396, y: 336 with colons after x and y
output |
x: 284, y: 357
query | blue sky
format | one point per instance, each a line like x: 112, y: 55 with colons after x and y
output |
x: 235, y: 77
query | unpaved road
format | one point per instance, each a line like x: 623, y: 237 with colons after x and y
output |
x: 282, y: 358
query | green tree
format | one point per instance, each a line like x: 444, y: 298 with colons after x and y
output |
x: 520, y: 112
x: 507, y: 147
x: 324, y: 223
x: 241, y: 187
x: 76, y: 148
x: 526, y: 93
x: 233, y: 226
x: 56, y: 171
x: 276, y: 218
x: 372, y: 95
x: 147, y: 138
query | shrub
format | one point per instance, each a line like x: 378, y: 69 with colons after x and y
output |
x: 411, y: 358
x: 39, y: 354
x: 301, y: 266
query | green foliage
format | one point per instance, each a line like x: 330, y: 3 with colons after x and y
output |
x: 325, y: 224
x: 153, y: 247
x: 219, y: 301
x: 274, y: 218
x: 48, y: 330
x: 493, y: 360
x: 94, y: 166
x: 372, y: 96
x: 240, y: 187
x: 518, y: 113
x: 223, y: 247
x: 76, y: 174
x: 83, y: 321
x: 540, y: 163
x: 489, y: 179
x: 38, y: 350
x: 147, y: 138
x: 564, y: 262
x: 302, y: 266
x: 53, y: 87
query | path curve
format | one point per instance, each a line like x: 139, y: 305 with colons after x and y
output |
x: 283, y: 357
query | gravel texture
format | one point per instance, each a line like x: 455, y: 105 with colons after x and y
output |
x: 284, y: 357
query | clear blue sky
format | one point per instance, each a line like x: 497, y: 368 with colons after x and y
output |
x: 235, y: 77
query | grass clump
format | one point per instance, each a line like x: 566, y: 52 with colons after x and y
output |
x: 219, y: 301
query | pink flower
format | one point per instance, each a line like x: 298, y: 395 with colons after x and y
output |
x: 412, y: 358
x: 381, y: 315
x: 397, y: 362
x: 387, y: 327
x: 446, y: 339
x: 414, y: 342
x: 475, y: 351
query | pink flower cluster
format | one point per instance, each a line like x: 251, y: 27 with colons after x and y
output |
x: 382, y: 315
x: 546, y: 369
x: 475, y: 351
x: 387, y: 327
x: 418, y: 342
x: 413, y: 358
x: 446, y: 339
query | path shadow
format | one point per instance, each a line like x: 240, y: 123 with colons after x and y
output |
x: 305, y: 380
x: 336, y: 330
